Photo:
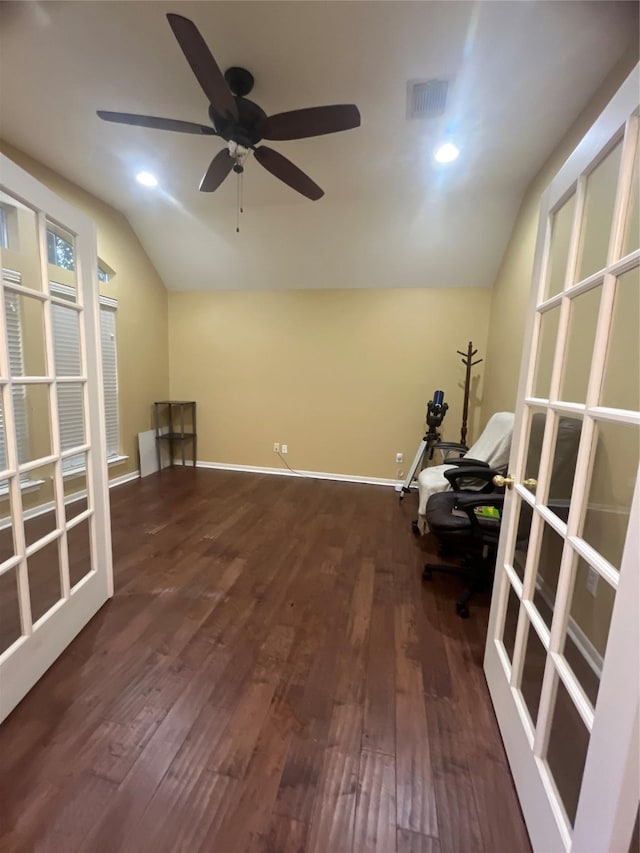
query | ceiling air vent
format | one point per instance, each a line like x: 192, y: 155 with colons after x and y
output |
x: 426, y: 98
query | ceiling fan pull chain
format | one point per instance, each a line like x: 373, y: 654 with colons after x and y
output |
x: 238, y: 202
x: 241, y: 192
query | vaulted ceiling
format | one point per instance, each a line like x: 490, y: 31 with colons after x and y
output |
x: 521, y: 72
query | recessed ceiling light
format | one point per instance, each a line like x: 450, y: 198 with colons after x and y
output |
x: 446, y: 153
x: 147, y: 179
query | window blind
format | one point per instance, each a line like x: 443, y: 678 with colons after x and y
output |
x: 110, y: 379
x: 16, y: 365
x: 66, y: 348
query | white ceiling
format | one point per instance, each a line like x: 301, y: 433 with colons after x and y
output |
x: 390, y: 216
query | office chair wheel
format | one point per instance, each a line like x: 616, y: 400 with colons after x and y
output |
x: 414, y: 528
x: 427, y: 574
x: 462, y: 610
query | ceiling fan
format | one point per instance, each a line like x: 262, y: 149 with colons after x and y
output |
x: 241, y: 122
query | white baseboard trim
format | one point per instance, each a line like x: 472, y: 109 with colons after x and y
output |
x: 315, y: 475
x: 50, y: 506
x: 584, y: 645
x: 125, y: 478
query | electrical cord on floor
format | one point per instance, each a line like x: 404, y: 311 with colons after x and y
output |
x: 293, y: 470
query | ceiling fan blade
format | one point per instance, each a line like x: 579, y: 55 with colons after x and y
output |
x: 285, y: 170
x: 157, y: 123
x: 313, y: 121
x: 218, y: 170
x: 203, y: 65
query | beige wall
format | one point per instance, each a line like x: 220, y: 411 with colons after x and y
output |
x: 342, y: 376
x: 142, y: 321
x: 510, y: 293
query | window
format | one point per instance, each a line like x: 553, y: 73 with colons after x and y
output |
x: 67, y: 359
x: 103, y: 275
x: 60, y: 251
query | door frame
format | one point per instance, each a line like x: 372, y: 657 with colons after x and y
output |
x: 28, y: 658
x: 603, y: 822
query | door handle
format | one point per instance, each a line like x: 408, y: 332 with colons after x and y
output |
x: 501, y: 481
x: 509, y: 480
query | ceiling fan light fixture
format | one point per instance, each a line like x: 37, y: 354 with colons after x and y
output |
x: 147, y: 179
x: 446, y: 153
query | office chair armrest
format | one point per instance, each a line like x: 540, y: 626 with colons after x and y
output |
x: 456, y: 476
x: 446, y: 447
x: 465, y: 460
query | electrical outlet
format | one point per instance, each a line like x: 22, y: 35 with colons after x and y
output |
x: 592, y: 582
x: 399, y: 457
x: 284, y: 449
x: 276, y: 447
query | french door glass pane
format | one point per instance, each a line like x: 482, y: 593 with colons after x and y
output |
x: 523, y: 535
x: 548, y: 570
x: 10, y: 629
x: 546, y: 349
x: 39, y: 515
x: 582, y: 332
x: 632, y: 228
x: 44, y: 579
x: 511, y: 621
x: 75, y: 488
x: 3, y: 437
x: 61, y: 257
x: 534, y: 445
x: 535, y: 657
x: 79, y: 547
x: 24, y: 317
x: 615, y: 466
x: 563, y: 466
x: 33, y: 427
x: 7, y: 545
x: 66, y: 340
x: 598, y: 214
x: 567, y: 750
x: 75, y: 504
x: 621, y: 384
x: 71, y: 417
x: 22, y: 255
x: 559, y: 248
x: 588, y: 630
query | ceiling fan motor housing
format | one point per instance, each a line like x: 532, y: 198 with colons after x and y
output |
x: 239, y: 80
x: 247, y: 130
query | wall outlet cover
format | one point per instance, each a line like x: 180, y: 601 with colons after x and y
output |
x: 399, y: 457
x: 276, y: 447
x: 284, y: 448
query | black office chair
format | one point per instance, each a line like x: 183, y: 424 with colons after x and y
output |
x: 452, y: 518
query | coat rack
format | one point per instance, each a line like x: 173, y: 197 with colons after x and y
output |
x: 468, y: 363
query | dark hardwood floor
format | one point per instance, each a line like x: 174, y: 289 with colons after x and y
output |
x: 271, y: 675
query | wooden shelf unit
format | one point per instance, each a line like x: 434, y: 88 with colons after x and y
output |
x: 181, y: 430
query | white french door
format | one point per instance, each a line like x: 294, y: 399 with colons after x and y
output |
x: 562, y: 658
x: 55, y: 542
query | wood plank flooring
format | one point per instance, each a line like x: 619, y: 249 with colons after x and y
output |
x: 271, y: 676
